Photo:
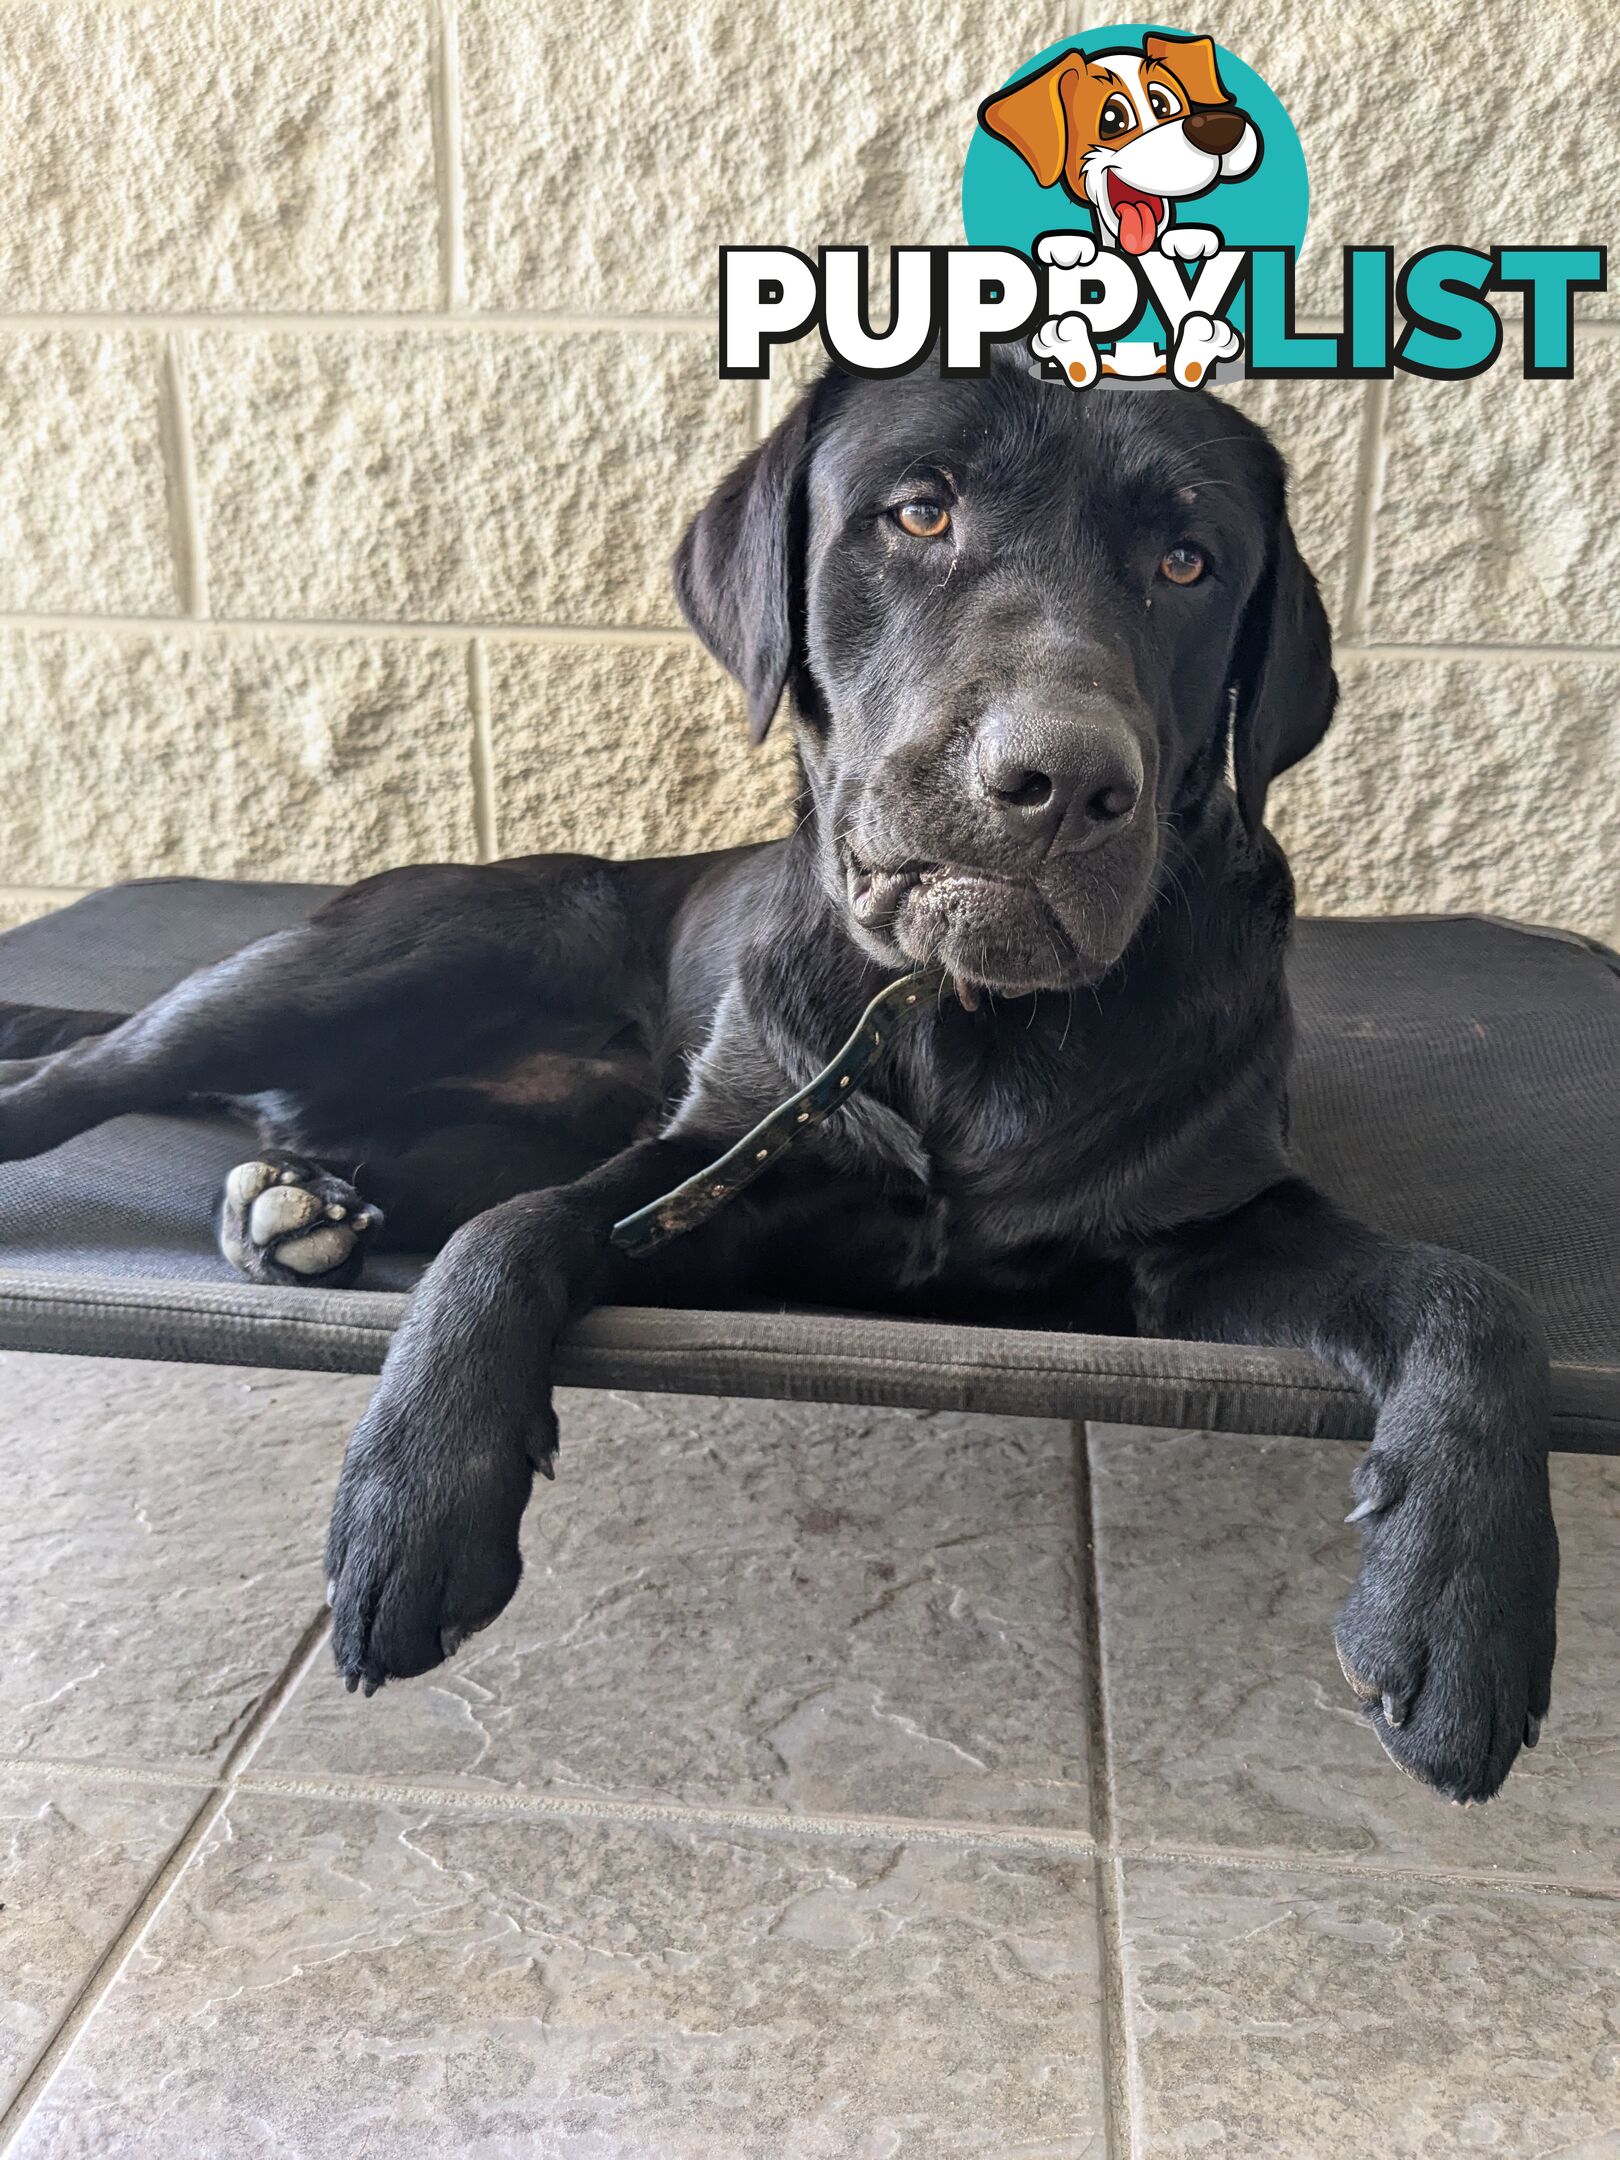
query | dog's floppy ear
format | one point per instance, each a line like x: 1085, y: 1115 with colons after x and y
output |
x: 1284, y: 685
x: 1032, y: 117
x: 1191, y: 60
x: 740, y: 559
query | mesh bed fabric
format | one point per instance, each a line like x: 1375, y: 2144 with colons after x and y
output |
x: 1455, y: 1081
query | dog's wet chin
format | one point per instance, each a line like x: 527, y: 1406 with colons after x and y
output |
x: 995, y: 933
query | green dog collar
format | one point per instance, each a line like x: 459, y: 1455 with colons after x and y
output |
x: 701, y: 1196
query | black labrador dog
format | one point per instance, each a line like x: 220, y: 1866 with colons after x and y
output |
x: 1044, y: 653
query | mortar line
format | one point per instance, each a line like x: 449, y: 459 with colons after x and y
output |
x: 1119, y: 2127
x: 560, y: 321
x: 564, y: 321
x: 445, y: 97
x: 1401, y: 649
x: 189, y: 553
x: 1370, y: 459
x: 64, y: 2035
x: 293, y: 626
x: 655, y: 634
x: 485, y: 823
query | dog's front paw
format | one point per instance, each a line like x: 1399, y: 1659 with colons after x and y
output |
x: 1067, y: 342
x: 1189, y: 243
x: 284, y: 1220
x: 1201, y: 342
x: 423, y: 1548
x: 1066, y: 250
x: 1447, y: 1636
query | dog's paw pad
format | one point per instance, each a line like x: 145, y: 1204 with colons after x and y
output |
x: 284, y: 1221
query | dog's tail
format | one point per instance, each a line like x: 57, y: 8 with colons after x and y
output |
x: 35, y: 1030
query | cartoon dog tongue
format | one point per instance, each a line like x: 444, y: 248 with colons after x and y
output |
x: 1138, y: 215
x: 1137, y: 225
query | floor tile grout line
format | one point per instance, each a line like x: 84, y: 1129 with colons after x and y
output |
x: 1231, y: 1860
x: 64, y: 2035
x: 1031, y: 1838
x: 1119, y: 2127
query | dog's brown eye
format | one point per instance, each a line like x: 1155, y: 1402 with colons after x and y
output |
x: 923, y: 520
x: 1116, y: 118
x: 1182, y: 565
x: 1162, y: 102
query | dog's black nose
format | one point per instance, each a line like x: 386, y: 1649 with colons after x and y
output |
x: 1218, y: 131
x: 1047, y: 776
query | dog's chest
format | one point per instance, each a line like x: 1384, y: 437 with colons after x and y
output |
x: 997, y: 1163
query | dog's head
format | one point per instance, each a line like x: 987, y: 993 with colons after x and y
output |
x: 1128, y: 133
x: 1019, y: 631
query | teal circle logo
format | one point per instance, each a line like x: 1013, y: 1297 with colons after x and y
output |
x: 1128, y: 132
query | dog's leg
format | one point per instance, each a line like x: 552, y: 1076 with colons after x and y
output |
x: 424, y: 1540
x: 394, y: 983
x: 1448, y: 1635
x: 260, y: 1019
x: 32, y: 1031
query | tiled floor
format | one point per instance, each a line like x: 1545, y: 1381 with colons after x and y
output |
x: 843, y: 1785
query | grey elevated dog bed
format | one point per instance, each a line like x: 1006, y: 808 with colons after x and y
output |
x: 1456, y: 1081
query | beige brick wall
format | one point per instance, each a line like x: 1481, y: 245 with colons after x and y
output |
x: 358, y: 374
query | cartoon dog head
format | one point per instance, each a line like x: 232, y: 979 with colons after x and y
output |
x: 1128, y: 133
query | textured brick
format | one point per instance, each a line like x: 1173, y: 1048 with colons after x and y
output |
x: 83, y: 514
x: 629, y: 750
x: 25, y: 903
x: 1446, y: 784
x: 1496, y: 520
x: 248, y: 153
x: 667, y: 130
x: 1317, y: 427
x: 426, y: 477
x: 121, y: 755
x: 1429, y: 121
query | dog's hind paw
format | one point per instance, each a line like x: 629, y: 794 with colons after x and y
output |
x: 284, y: 1220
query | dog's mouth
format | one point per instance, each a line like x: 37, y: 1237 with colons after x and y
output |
x: 989, y: 931
x: 1141, y: 216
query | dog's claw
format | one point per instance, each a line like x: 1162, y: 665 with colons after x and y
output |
x: 1532, y: 1730
x: 1394, y: 1709
x: 1377, y: 1485
x: 331, y: 1591
x: 546, y: 1464
x: 351, y: 1680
